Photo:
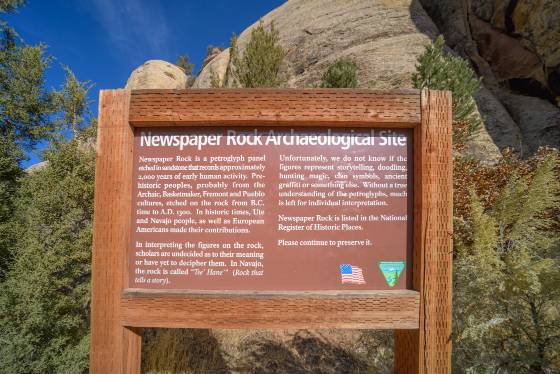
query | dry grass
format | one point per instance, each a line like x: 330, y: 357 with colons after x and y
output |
x: 181, y: 351
x: 260, y: 351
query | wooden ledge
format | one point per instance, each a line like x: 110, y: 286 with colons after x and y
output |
x: 397, y: 309
x: 143, y: 292
x: 265, y: 107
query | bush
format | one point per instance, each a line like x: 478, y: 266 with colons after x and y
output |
x: 183, y: 61
x: 10, y: 174
x: 261, y: 62
x: 44, y: 301
x: 438, y: 70
x: 181, y: 351
x: 342, y: 74
x: 507, y: 265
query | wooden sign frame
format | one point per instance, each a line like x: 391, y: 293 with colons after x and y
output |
x: 420, y: 317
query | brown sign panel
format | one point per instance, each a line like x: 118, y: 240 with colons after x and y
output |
x: 275, y: 209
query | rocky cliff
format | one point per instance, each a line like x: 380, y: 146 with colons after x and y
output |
x: 383, y: 37
x: 513, y: 45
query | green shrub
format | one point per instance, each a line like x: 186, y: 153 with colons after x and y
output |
x: 26, y: 108
x: 342, y: 74
x: 215, y: 81
x: 261, y: 62
x: 183, y: 61
x: 506, y: 299
x: 10, y: 175
x: 73, y: 103
x: 438, y: 70
x: 45, y: 299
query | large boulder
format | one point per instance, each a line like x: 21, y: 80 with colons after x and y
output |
x: 510, y: 41
x: 538, y: 120
x: 499, y: 129
x: 515, y: 47
x: 36, y: 167
x: 535, y: 24
x: 157, y: 74
x: 500, y: 126
x: 384, y: 38
x: 214, y: 70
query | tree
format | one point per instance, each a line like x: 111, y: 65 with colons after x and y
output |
x: 25, y: 109
x: 439, y: 70
x: 45, y: 297
x: 8, y: 6
x: 25, y: 104
x: 73, y: 103
x: 10, y: 174
x: 261, y: 62
x: 506, y: 248
x: 183, y: 61
x: 343, y: 73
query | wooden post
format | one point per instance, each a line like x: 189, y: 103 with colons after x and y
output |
x: 428, y: 349
x: 114, y: 348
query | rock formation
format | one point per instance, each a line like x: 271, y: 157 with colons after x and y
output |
x: 513, y: 45
x: 214, y: 68
x: 384, y: 38
x: 157, y: 74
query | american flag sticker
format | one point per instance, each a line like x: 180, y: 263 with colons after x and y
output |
x: 351, y: 274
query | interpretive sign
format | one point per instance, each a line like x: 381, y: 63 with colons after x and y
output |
x: 272, y: 208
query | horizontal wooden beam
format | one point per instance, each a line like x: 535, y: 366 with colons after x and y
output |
x: 397, y: 309
x: 265, y: 107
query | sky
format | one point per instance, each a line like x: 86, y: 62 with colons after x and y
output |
x: 103, y: 41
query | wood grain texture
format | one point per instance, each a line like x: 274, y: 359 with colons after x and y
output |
x: 265, y: 107
x: 142, y: 292
x: 132, y: 350
x: 428, y: 349
x: 110, y: 341
x: 371, y: 310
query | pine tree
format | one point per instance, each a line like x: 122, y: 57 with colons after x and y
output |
x: 73, y: 103
x: 261, y: 62
x: 183, y: 61
x: 10, y: 174
x: 25, y: 103
x: 44, y: 301
x: 25, y: 107
x: 45, y: 298
x: 439, y: 70
x: 8, y: 6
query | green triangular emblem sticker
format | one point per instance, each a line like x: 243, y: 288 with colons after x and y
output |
x: 391, y: 271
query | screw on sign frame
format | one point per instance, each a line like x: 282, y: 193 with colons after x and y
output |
x: 421, y: 316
